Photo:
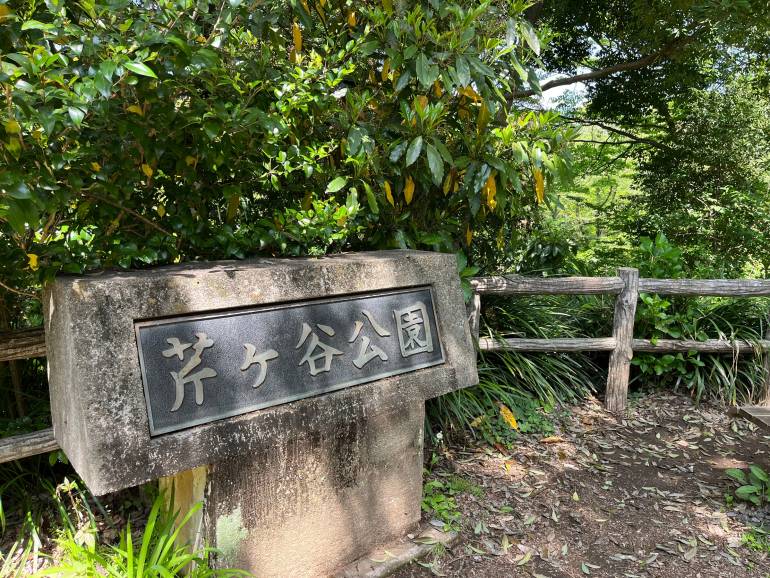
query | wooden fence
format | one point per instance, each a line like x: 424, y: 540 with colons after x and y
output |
x: 626, y: 285
x: 621, y: 345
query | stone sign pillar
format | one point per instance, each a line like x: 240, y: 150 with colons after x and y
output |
x: 293, y: 389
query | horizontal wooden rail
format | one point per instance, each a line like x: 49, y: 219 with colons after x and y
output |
x: 547, y: 285
x: 30, y: 343
x: 548, y: 345
x: 25, y: 445
x: 707, y: 287
x: 22, y: 344
x: 707, y: 346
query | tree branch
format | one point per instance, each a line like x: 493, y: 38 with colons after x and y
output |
x: 117, y: 205
x: 620, y: 131
x: 667, y: 51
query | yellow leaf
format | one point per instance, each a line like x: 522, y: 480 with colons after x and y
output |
x: 147, y: 169
x: 385, y: 70
x: 161, y: 210
x: 539, y: 185
x: 293, y: 56
x: 96, y: 167
x: 307, y: 201
x: 190, y: 161
x: 136, y: 109
x: 4, y: 11
x: 12, y: 127
x: 477, y: 422
x: 297, y: 36
x: 470, y: 93
x: 551, y: 440
x: 200, y: 38
x: 233, y: 204
x: 32, y: 261
x: 468, y: 236
x: 389, y: 194
x: 490, y: 190
x: 483, y: 119
x: 437, y: 90
x: 508, y: 416
x: 409, y: 189
x: 388, y: 6
x: 319, y: 7
x: 449, y: 181
x: 420, y: 102
x: 351, y: 18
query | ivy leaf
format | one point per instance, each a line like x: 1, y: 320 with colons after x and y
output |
x: 414, y: 150
x: 336, y: 185
x: 140, y: 68
x: 436, y: 164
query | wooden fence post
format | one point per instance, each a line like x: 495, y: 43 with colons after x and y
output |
x: 623, y: 332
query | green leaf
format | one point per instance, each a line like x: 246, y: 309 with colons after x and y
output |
x: 397, y: 152
x: 414, y: 150
x: 530, y: 36
x: 421, y: 66
x: 140, y: 68
x: 463, y: 71
x: 745, y: 492
x: 436, y: 164
x: 427, y: 72
x: 18, y: 190
x: 759, y: 473
x: 205, y: 58
x: 76, y: 114
x: 336, y: 185
x: 371, y: 199
x: 737, y: 475
x: 37, y: 25
x: 403, y: 80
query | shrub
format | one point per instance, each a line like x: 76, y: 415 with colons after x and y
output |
x: 140, y: 132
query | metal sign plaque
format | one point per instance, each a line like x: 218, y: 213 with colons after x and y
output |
x: 201, y: 368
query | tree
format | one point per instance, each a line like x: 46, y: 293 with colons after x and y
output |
x: 636, y: 57
x: 710, y: 193
x: 152, y: 132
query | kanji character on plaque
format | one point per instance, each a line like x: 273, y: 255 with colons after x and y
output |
x: 251, y: 357
x: 414, y: 335
x: 326, y: 352
x: 367, y: 351
x: 186, y: 376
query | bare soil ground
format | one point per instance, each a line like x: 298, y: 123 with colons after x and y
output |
x: 645, y: 497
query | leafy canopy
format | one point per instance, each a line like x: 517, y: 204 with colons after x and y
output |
x: 139, y: 132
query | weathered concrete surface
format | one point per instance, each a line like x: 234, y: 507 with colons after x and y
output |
x: 319, y: 498
x: 97, y: 400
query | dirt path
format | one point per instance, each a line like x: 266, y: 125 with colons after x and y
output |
x: 645, y: 497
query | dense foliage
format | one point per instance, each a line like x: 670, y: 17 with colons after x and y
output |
x: 150, y: 132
